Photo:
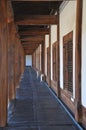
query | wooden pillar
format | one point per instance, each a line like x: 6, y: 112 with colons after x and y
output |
x: 19, y: 60
x: 43, y: 56
x: 58, y: 57
x: 16, y: 61
x: 35, y: 59
x: 22, y: 59
x: 11, y: 61
x: 50, y: 57
x: 3, y: 63
x: 78, y: 60
x: 39, y: 58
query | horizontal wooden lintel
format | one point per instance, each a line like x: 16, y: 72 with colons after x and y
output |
x: 37, y: 20
x: 39, y: 31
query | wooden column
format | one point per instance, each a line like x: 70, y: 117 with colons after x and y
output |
x: 43, y: 56
x: 16, y: 62
x: 22, y: 59
x: 19, y: 60
x: 34, y: 59
x: 3, y: 63
x: 58, y: 56
x: 78, y: 60
x: 50, y: 57
x: 11, y: 61
x: 37, y: 58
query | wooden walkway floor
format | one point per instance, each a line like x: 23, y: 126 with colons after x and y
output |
x: 35, y: 107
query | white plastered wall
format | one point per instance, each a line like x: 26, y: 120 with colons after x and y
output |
x: 67, y: 24
x: 53, y: 40
x: 46, y: 45
x: 84, y: 54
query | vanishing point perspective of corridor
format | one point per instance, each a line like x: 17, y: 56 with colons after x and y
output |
x: 36, y: 108
x: 42, y: 64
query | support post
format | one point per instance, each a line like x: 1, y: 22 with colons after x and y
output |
x: 78, y: 111
x: 11, y: 61
x: 43, y: 60
x: 50, y: 58
x: 43, y: 56
x: 58, y: 57
x: 3, y: 63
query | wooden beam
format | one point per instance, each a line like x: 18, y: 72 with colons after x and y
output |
x: 78, y: 60
x: 30, y: 46
x: 29, y: 51
x: 37, y: 20
x: 30, y: 42
x: 37, y: 0
x: 31, y: 36
x: 35, y: 32
x: 33, y: 39
x: 26, y: 48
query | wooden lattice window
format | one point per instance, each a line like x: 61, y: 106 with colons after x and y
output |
x: 68, y: 62
x: 54, y: 61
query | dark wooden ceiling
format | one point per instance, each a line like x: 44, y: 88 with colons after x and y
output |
x: 33, y: 19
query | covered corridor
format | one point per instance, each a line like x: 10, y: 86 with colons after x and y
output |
x: 36, y: 108
x: 42, y: 64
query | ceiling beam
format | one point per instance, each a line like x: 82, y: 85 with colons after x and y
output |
x: 29, y: 51
x: 33, y: 39
x: 37, y: 20
x: 38, y: 0
x: 34, y: 45
x: 30, y: 43
x: 35, y: 31
x: 30, y: 47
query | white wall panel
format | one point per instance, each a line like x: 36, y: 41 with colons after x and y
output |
x: 67, y: 24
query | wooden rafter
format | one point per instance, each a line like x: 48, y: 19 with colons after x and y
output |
x: 36, y: 0
x: 30, y: 47
x: 29, y: 51
x: 37, y: 20
x: 29, y: 42
x: 39, y: 31
x: 33, y: 39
